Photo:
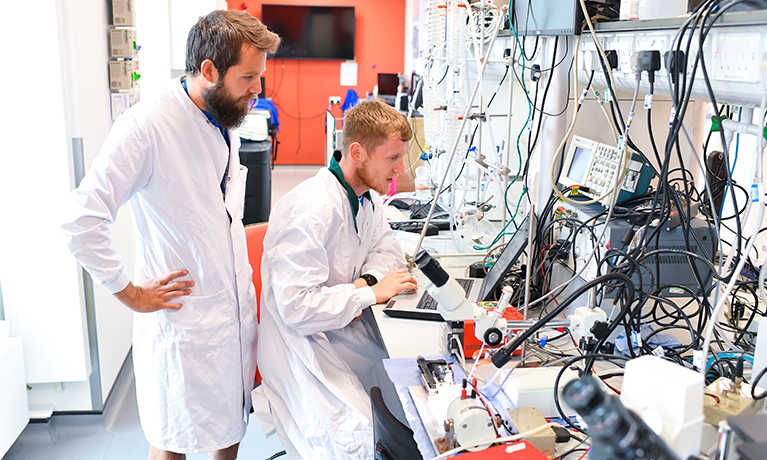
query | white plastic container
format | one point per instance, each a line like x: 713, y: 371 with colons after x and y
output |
x: 629, y: 10
x: 657, y: 9
x: 422, y: 182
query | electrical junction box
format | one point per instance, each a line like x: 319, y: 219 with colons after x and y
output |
x: 122, y: 42
x: 123, y: 13
x: 525, y: 419
x: 724, y: 398
x: 123, y: 74
x: 123, y: 100
x: 534, y: 387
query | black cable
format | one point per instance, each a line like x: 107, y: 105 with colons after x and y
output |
x: 589, y: 356
x: 504, y: 354
x: 755, y: 382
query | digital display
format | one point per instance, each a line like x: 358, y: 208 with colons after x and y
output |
x: 579, y: 165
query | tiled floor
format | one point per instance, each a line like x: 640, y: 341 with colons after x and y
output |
x: 116, y: 435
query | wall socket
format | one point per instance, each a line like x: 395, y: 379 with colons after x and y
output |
x: 334, y: 100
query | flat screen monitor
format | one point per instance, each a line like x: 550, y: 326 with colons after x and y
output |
x: 547, y: 17
x: 416, y: 91
x: 506, y: 260
x: 388, y: 83
x: 312, y: 32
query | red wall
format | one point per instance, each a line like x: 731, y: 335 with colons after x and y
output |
x: 300, y: 88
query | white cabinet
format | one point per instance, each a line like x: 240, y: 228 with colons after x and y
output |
x: 14, y: 415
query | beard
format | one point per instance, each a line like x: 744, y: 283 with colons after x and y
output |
x: 229, y: 112
x: 368, y: 179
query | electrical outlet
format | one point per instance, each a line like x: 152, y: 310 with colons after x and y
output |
x: 735, y: 57
x: 335, y: 100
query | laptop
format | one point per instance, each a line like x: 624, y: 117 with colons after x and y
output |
x: 420, y: 305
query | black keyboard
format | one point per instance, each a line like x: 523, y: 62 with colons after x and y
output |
x: 427, y: 302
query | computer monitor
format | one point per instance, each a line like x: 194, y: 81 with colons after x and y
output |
x: 547, y: 17
x: 416, y: 92
x: 387, y: 84
x: 312, y: 32
x: 262, y: 94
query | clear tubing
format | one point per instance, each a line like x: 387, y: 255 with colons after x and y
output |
x: 456, y: 34
x: 455, y: 109
x: 433, y: 120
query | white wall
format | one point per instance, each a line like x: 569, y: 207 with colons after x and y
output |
x: 87, y: 22
x: 66, y: 98
x: 183, y: 15
x: 153, y: 36
x: 41, y: 289
x: 58, y: 90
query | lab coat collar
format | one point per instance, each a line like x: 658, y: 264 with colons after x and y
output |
x: 354, y: 200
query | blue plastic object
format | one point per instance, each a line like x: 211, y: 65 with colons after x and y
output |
x: 266, y: 104
x: 350, y: 100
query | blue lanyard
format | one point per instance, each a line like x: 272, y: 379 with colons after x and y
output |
x: 224, y: 133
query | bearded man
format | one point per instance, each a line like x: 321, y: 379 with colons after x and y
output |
x: 328, y: 255
x: 175, y: 160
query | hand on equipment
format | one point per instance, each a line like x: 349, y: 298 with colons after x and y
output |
x: 150, y: 295
x: 392, y: 284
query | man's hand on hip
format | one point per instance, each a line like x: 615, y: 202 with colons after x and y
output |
x: 152, y: 295
x: 392, y: 284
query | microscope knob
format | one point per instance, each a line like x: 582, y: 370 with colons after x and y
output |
x: 493, y: 337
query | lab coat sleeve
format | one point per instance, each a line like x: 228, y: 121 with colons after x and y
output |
x: 121, y: 169
x: 299, y: 267
x: 386, y: 254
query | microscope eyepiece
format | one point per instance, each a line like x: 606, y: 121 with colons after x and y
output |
x: 431, y: 268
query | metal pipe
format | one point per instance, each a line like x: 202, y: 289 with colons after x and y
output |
x: 724, y: 443
x: 527, y: 324
x: 528, y: 271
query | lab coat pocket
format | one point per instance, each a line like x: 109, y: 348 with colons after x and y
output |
x: 201, y: 319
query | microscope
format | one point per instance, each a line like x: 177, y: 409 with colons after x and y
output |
x: 489, y: 327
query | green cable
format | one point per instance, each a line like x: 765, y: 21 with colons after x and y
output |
x: 529, y: 110
x: 503, y: 230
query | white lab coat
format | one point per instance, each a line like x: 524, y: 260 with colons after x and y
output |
x: 194, y: 367
x: 317, y: 365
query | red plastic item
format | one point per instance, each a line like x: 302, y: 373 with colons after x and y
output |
x: 520, y: 450
x: 470, y: 343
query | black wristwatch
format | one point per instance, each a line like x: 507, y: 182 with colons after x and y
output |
x: 370, y: 279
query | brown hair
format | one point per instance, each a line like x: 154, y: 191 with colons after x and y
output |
x: 219, y: 36
x: 371, y: 123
